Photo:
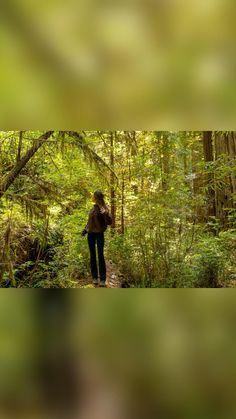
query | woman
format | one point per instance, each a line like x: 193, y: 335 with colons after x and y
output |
x: 99, y: 219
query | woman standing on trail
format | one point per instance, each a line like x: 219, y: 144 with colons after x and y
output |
x: 99, y: 219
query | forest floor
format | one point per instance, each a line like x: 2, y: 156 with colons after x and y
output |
x: 114, y: 278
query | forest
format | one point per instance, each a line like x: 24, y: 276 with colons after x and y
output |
x: 171, y: 195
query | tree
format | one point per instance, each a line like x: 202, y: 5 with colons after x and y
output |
x: 225, y: 151
x: 22, y: 162
x: 112, y: 180
x: 209, y: 158
x: 163, y: 189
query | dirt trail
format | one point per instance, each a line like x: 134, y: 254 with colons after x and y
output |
x: 114, y: 278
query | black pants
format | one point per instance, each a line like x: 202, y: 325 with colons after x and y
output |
x: 98, y: 238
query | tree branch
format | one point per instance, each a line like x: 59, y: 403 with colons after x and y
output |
x: 20, y: 164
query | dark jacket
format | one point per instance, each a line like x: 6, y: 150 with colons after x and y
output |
x: 97, y: 222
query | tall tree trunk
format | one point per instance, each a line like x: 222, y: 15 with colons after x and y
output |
x: 14, y: 173
x: 165, y: 157
x: 232, y: 154
x: 122, y: 203
x: 225, y: 144
x: 5, y: 257
x: 142, y: 175
x: 112, y: 182
x: 19, y: 146
x: 209, y: 158
x: 197, y: 178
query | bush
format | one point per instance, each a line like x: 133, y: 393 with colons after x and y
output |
x: 208, y: 262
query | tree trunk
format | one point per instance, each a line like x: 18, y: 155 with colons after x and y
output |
x: 19, y: 146
x: 122, y: 204
x: 14, y: 173
x: 225, y: 144
x: 208, y: 146
x: 6, y: 262
x: 232, y: 154
x: 112, y: 181
x: 165, y: 159
x: 197, y: 178
x: 209, y: 179
x: 142, y: 175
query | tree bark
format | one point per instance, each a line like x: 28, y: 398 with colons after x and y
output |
x: 208, y: 146
x: 112, y: 181
x: 19, y: 146
x: 232, y: 154
x: 197, y: 177
x: 209, y: 157
x: 14, y: 173
x: 123, y: 204
x: 165, y: 157
x: 225, y: 144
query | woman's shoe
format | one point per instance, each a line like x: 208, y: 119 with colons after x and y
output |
x: 102, y: 283
x: 95, y: 281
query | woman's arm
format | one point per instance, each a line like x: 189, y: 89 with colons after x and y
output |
x: 85, y: 230
x: 106, y: 214
x: 108, y: 219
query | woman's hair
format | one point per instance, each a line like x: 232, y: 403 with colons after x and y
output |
x: 99, y: 198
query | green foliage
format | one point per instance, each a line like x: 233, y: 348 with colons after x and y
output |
x: 208, y: 262
x: 121, y: 252
x: 162, y: 186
